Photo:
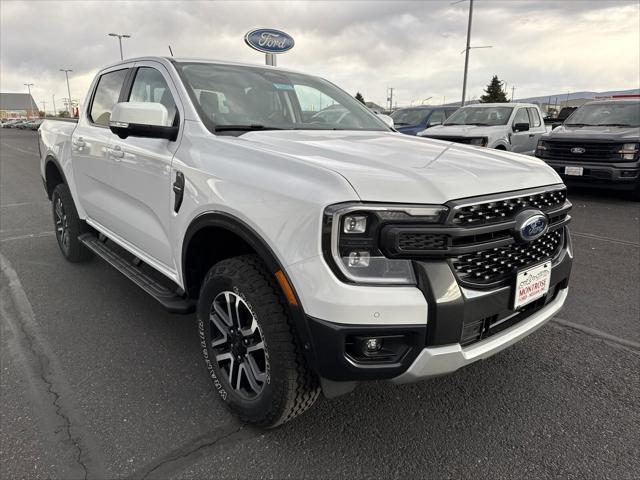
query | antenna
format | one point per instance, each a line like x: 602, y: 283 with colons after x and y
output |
x: 170, y: 51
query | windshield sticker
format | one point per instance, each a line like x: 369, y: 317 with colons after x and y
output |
x: 283, y: 86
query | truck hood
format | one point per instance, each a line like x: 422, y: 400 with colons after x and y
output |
x: 632, y: 134
x: 391, y: 167
x: 465, y: 131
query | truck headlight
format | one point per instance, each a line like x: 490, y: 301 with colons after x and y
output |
x: 629, y: 151
x: 479, y: 142
x: 351, y: 236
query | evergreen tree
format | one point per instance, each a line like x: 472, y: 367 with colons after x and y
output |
x: 494, y: 93
x: 359, y: 97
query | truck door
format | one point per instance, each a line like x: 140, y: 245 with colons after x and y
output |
x: 141, y: 203
x: 92, y: 169
x: 520, y: 140
x: 536, y: 127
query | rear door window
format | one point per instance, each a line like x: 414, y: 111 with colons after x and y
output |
x: 106, y: 96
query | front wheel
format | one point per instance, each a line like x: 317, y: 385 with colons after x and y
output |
x: 249, y: 346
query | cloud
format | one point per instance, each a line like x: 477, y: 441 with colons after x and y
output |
x: 540, y: 47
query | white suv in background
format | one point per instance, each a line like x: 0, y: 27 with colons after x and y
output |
x: 515, y: 127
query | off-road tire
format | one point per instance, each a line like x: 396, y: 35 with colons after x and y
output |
x: 72, y: 249
x: 290, y: 388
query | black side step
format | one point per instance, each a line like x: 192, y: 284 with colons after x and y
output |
x: 169, y: 299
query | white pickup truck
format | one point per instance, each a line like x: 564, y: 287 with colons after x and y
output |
x: 514, y: 127
x: 317, y: 251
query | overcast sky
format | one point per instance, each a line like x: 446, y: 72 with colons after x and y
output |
x: 540, y: 47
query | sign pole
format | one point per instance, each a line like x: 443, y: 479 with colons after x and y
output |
x: 270, y: 59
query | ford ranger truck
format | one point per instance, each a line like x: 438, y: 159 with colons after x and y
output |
x: 316, y: 251
x: 514, y: 127
x: 597, y: 146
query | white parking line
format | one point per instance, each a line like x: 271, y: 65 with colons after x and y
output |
x: 605, y: 239
x: 598, y: 333
x: 29, y: 235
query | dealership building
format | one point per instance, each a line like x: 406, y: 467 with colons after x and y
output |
x: 17, y: 105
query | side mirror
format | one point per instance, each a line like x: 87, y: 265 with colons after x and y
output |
x: 520, y: 127
x: 141, y: 119
x: 386, y: 119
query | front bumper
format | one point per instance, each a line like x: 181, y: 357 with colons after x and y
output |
x: 619, y: 176
x: 450, y: 338
x: 436, y: 361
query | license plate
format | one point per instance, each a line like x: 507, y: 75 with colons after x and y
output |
x: 574, y: 171
x: 532, y: 284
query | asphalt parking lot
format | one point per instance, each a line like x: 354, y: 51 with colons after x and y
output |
x: 97, y: 381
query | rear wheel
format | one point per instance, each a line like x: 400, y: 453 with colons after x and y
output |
x: 68, y: 225
x: 248, y: 344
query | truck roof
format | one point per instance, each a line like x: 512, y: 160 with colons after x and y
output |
x: 502, y: 104
x: 162, y: 59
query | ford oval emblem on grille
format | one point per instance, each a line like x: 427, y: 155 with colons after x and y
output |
x: 578, y: 150
x: 530, y: 225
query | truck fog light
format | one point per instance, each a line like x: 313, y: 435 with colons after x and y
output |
x: 359, y: 259
x: 355, y: 224
x: 373, y: 345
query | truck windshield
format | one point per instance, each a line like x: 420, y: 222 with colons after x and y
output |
x: 410, y: 116
x: 236, y: 99
x: 621, y: 114
x: 488, y: 116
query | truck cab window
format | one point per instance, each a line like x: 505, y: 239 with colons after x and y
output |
x: 150, y: 86
x: 106, y: 96
x: 521, y: 116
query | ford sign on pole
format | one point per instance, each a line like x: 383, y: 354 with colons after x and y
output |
x: 269, y: 41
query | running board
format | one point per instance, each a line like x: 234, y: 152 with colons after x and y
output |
x: 169, y: 299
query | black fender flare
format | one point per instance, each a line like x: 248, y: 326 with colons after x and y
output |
x: 264, y: 251
x: 50, y: 159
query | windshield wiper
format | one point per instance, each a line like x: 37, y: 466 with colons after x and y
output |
x: 580, y: 124
x: 447, y: 124
x: 479, y: 124
x: 614, y: 125
x: 401, y: 123
x: 243, y: 128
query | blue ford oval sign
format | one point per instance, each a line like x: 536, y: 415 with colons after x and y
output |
x: 531, y: 225
x: 268, y: 40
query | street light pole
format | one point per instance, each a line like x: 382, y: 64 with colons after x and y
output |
x: 466, y: 53
x: 66, y: 74
x: 120, y: 37
x: 29, y: 85
x: 53, y: 97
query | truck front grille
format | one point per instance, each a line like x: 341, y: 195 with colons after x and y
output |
x: 584, y: 151
x: 506, y: 209
x: 495, y: 264
x: 465, y: 140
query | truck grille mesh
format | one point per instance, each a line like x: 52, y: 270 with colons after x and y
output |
x: 494, y: 264
x: 416, y: 242
x: 591, y: 151
x: 504, y: 210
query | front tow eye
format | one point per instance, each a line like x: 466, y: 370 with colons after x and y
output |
x: 178, y: 190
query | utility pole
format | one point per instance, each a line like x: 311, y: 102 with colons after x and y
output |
x: 513, y: 90
x: 390, y: 98
x: 466, y: 53
x: 120, y: 37
x: 53, y: 97
x: 29, y: 85
x: 66, y: 74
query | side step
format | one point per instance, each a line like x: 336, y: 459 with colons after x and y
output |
x: 169, y: 299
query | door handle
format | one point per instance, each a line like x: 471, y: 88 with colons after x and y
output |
x: 79, y: 142
x: 531, y: 135
x: 116, y: 152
